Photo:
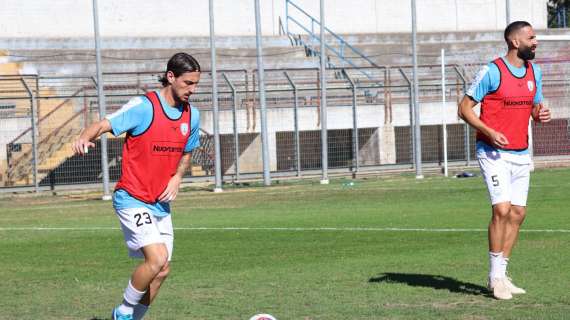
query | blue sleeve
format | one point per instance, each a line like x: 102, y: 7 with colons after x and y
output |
x: 538, y: 78
x: 134, y: 117
x: 194, y: 139
x: 487, y: 80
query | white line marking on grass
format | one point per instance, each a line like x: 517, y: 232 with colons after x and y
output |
x: 361, y: 229
x: 355, y: 229
x: 49, y: 207
x: 58, y: 228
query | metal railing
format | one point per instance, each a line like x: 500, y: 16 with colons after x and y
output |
x: 369, y: 122
x: 339, y: 47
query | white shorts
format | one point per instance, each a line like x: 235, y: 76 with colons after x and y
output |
x: 507, y: 181
x: 141, y: 228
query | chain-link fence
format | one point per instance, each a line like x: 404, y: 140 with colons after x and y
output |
x: 369, y: 122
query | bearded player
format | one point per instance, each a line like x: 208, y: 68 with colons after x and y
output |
x: 510, y: 92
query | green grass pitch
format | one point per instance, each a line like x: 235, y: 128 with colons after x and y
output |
x: 383, y: 248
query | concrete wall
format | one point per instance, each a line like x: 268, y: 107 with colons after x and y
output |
x: 384, y: 16
x: 369, y: 116
x: 184, y: 18
x: 10, y: 129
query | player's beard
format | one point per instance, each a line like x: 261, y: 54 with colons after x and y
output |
x: 179, y: 98
x: 525, y: 53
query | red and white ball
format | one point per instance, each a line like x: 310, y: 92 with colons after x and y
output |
x: 263, y: 316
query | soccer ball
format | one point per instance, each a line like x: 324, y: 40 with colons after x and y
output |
x: 263, y: 316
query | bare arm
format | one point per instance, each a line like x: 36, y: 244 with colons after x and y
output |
x: 171, y: 190
x: 89, y: 134
x: 540, y: 113
x: 465, y: 112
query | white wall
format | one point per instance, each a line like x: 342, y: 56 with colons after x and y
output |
x: 146, y: 18
x: 10, y: 128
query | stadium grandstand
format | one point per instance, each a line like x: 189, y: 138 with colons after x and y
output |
x: 48, y: 85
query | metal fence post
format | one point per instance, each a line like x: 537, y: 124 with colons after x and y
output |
x: 355, y: 146
x: 235, y: 127
x: 466, y: 137
x: 411, y: 108
x: 34, y: 135
x: 296, y: 123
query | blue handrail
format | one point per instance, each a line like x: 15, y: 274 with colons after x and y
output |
x: 302, y: 42
x: 343, y: 44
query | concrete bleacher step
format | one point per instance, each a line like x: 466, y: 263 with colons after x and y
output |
x: 197, y: 171
x: 63, y: 153
x: 239, y: 52
x: 51, y: 153
x: 3, y: 176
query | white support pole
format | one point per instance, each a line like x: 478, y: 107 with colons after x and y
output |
x: 101, y: 101
x: 508, y: 11
x: 323, y: 81
x: 443, y: 122
x: 417, y: 123
x: 218, y: 154
x: 530, y: 144
x: 262, y: 104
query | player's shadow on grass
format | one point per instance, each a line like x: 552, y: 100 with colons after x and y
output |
x: 431, y: 281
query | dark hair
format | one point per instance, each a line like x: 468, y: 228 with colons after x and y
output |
x: 514, y: 27
x: 179, y: 64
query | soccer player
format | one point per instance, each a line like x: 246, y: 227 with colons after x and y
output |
x: 161, y: 129
x: 510, y: 92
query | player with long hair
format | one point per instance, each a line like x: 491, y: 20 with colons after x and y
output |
x: 162, y: 129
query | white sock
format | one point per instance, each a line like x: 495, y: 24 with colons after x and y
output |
x: 505, y: 264
x: 497, y: 265
x: 140, y: 310
x: 131, y: 298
